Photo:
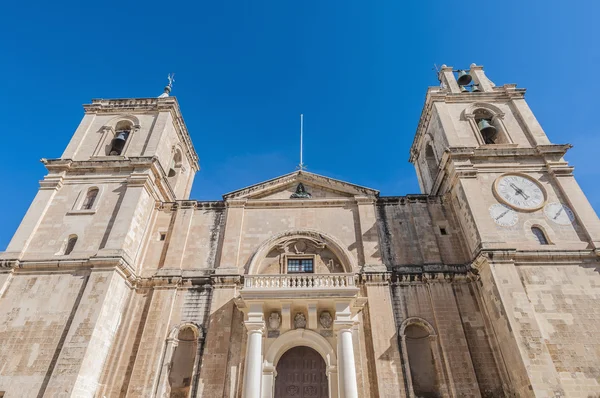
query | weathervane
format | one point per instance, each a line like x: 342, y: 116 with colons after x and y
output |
x: 301, y: 166
x: 168, y: 87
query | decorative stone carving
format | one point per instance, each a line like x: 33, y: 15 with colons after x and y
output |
x: 300, y: 193
x: 299, y: 321
x: 325, y: 320
x: 274, y: 321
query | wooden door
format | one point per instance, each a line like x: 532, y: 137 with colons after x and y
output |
x: 301, y: 374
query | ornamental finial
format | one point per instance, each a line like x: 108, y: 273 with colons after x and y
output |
x: 168, y: 87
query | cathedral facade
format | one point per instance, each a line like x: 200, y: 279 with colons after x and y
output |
x: 486, y: 284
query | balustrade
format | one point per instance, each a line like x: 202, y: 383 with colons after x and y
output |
x: 299, y: 281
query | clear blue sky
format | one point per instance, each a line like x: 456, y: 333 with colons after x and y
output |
x: 245, y: 70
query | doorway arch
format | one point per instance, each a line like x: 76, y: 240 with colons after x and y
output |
x: 301, y: 373
x: 295, y: 338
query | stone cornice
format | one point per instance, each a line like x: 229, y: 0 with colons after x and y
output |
x: 143, y: 171
x: 467, y: 162
x: 408, y: 199
x: 137, y: 105
x: 191, y: 204
x: 293, y: 203
x: 537, y: 257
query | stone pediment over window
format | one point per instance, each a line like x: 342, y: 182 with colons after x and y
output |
x: 309, y: 185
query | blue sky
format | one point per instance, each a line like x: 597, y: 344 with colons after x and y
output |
x: 245, y: 70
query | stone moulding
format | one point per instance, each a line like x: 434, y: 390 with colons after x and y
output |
x: 301, y: 177
x: 347, y: 261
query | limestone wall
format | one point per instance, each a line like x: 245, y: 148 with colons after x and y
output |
x: 565, y: 304
x: 183, y: 237
x: 464, y: 357
x: 418, y: 230
x: 56, y: 331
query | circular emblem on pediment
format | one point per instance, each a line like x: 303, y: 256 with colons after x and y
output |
x: 310, y: 391
x: 300, y: 246
x: 292, y: 390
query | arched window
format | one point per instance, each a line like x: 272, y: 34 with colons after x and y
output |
x: 539, y: 235
x: 70, y: 244
x: 175, y: 164
x: 489, y: 127
x: 122, y: 133
x: 431, y: 162
x: 421, y: 361
x: 181, y: 375
x: 90, y: 198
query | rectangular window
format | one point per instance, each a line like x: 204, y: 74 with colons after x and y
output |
x: 300, y: 265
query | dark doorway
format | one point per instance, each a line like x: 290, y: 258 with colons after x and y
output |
x: 301, y: 374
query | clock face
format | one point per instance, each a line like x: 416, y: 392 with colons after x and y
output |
x: 559, y: 213
x: 519, y: 192
x: 503, y: 215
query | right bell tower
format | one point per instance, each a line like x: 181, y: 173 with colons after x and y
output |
x: 532, y: 234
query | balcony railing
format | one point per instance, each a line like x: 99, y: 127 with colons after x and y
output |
x: 299, y: 284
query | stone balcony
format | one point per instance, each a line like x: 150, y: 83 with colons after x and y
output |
x: 299, y: 286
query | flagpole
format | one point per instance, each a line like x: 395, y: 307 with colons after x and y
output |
x: 301, y: 136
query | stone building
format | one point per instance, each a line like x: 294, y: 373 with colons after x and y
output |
x: 486, y: 284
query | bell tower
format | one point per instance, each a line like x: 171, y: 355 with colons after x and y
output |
x: 480, y: 144
x: 97, y: 198
x: 77, y: 252
x: 532, y: 234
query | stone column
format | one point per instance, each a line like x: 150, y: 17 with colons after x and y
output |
x: 345, y: 350
x: 346, y: 363
x: 268, y: 381
x: 253, y: 367
x: 332, y: 381
x: 481, y: 79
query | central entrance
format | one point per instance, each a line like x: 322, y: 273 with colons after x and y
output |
x: 301, y: 374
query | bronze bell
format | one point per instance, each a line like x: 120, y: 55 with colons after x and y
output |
x: 487, y: 130
x: 463, y: 89
x: 463, y: 78
x: 475, y: 88
x: 118, y: 143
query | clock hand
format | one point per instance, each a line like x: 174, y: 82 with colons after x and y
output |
x: 502, y: 215
x: 558, y: 212
x: 519, y: 191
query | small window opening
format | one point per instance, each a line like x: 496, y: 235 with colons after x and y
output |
x: 162, y: 236
x: 71, y: 244
x: 431, y: 162
x: 443, y: 231
x: 122, y: 132
x: 175, y: 164
x: 90, y: 198
x: 539, y: 235
x: 300, y: 265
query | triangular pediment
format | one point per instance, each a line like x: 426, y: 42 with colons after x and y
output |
x: 319, y: 187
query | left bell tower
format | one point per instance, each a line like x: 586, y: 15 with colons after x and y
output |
x: 95, y: 200
x: 69, y: 268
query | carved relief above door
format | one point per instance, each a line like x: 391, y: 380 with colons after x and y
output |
x: 301, y: 374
